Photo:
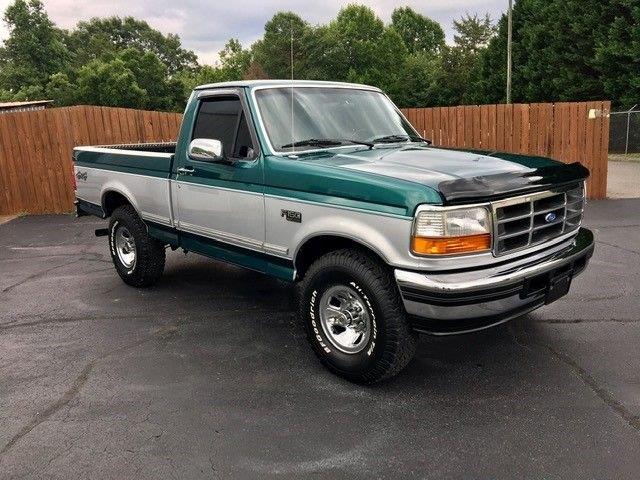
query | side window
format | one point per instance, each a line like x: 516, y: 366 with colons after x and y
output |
x: 222, y: 118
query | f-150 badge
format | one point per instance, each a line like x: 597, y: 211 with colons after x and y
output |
x: 291, y: 216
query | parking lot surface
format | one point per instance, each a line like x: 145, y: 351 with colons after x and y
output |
x: 208, y: 375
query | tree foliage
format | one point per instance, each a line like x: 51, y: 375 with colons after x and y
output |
x: 473, y: 32
x: 100, y: 37
x: 285, y: 32
x: 563, y: 50
x: 567, y: 50
x: 420, y: 34
x: 35, y: 48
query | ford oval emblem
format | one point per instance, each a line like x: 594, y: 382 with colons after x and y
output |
x: 550, y: 217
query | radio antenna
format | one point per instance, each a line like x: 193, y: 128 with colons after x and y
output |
x: 293, y: 149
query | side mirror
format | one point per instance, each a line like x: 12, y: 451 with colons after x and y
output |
x: 205, y: 149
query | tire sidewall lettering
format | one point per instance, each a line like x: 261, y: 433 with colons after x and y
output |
x: 314, y: 324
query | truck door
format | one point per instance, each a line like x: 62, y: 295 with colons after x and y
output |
x: 219, y: 201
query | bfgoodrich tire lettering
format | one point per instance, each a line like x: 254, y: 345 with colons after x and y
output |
x: 390, y: 344
x: 141, y: 263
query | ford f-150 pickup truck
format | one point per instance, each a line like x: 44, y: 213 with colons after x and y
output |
x: 328, y: 186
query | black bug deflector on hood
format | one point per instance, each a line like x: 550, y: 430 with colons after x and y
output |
x: 493, y: 187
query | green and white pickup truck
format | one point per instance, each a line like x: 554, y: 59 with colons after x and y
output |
x: 328, y: 186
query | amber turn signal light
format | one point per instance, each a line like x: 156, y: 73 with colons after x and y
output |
x: 450, y: 245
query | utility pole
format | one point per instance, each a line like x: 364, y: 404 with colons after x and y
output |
x: 509, y: 44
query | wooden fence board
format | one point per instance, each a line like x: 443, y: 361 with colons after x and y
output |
x: 36, y: 168
x: 35, y: 147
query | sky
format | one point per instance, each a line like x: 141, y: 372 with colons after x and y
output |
x: 204, y: 26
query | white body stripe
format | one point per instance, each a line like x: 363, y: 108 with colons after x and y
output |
x: 148, y: 195
x: 387, y: 235
x: 232, y: 216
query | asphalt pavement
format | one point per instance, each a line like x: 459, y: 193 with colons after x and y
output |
x: 208, y: 375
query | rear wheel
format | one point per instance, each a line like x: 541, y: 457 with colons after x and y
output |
x: 138, y: 258
x: 354, y: 317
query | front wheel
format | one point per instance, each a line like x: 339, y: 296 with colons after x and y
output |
x: 138, y: 258
x: 354, y: 317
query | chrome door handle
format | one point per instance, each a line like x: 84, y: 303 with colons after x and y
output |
x: 185, y: 170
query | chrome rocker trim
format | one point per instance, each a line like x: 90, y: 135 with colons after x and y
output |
x: 476, y: 299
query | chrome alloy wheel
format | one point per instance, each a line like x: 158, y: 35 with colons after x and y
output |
x: 126, y: 247
x: 345, y: 319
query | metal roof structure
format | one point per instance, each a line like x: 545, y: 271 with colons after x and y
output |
x: 6, y: 107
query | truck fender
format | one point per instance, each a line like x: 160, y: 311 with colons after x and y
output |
x: 354, y: 230
x: 118, y: 187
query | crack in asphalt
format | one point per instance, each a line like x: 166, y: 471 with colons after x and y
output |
x: 587, y: 320
x: 68, y: 395
x: 587, y: 379
x: 42, y: 273
x: 632, y: 225
x: 78, y: 383
x: 628, y: 250
x: 62, y: 320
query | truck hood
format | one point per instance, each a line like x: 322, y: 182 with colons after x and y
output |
x: 459, y: 176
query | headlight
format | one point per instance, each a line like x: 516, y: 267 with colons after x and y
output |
x: 445, y: 232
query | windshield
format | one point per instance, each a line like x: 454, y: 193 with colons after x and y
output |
x: 325, y: 117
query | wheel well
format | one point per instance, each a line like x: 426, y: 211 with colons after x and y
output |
x: 113, y: 200
x: 316, y: 247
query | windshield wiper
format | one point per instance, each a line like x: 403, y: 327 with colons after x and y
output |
x: 400, y: 138
x: 325, y: 142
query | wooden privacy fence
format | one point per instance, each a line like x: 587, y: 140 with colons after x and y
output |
x: 36, y: 170
x: 36, y: 167
x: 569, y: 132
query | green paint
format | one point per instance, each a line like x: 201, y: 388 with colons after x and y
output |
x: 125, y: 169
x: 260, y: 262
x: 154, y: 166
x: 167, y: 235
x: 281, y: 268
x: 319, y: 182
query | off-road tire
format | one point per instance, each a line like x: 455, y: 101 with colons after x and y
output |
x: 393, y: 343
x: 149, y: 252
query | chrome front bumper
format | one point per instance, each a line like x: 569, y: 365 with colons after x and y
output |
x: 465, y: 301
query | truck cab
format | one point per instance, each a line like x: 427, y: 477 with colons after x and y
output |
x: 326, y: 185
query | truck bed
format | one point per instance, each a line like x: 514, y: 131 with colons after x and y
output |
x: 139, y: 172
x: 153, y: 159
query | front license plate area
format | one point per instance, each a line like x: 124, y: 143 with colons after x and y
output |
x: 558, y: 287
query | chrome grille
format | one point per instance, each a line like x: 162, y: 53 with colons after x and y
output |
x: 533, y: 219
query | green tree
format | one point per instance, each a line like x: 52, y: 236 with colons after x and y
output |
x: 416, y: 83
x: 571, y: 50
x: 352, y: 40
x: 273, y: 51
x: 162, y: 91
x: 34, y: 49
x: 110, y: 83
x: 458, y: 64
x: 359, y: 48
x: 105, y: 37
x: 29, y: 92
x: 61, y: 90
x: 234, y: 60
x: 617, y: 53
x: 473, y: 32
x: 202, y: 75
x: 419, y: 33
